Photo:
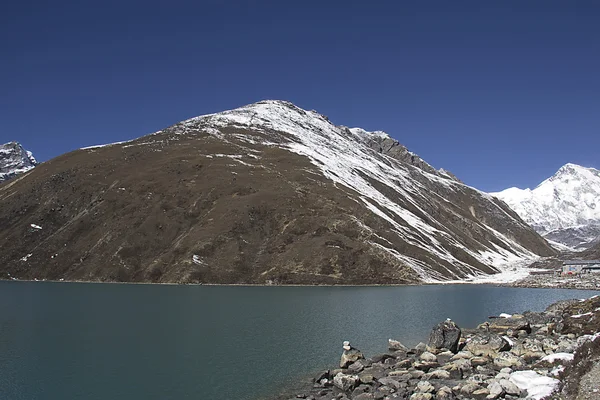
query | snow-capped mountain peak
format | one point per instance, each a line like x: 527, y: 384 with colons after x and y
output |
x: 14, y: 160
x: 566, y: 204
x: 267, y: 192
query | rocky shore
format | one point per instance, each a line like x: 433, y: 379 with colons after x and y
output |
x: 553, y: 354
x: 586, y: 281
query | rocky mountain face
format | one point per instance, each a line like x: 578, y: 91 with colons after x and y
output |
x: 593, y: 253
x: 564, y: 208
x: 266, y: 193
x: 14, y: 160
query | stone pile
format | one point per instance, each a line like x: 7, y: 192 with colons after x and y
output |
x: 508, y: 357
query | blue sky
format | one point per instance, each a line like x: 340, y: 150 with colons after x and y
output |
x: 502, y: 93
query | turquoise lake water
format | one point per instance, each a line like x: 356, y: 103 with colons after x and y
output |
x: 110, y: 341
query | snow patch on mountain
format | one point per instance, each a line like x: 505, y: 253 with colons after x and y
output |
x: 14, y: 160
x: 564, y: 208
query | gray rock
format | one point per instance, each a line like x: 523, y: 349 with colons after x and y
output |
x: 425, y: 365
x: 445, y: 335
x: 480, y: 394
x: 487, y: 344
x: 345, y: 382
x: 429, y: 357
x: 356, y: 367
x: 475, y: 361
x: 425, y: 387
x: 392, y: 383
x: 510, y: 388
x: 462, y: 354
x: 514, y: 323
x: 364, y: 396
x: 529, y: 349
x: 375, y: 371
x: 403, y: 364
x: 395, y: 345
x: 445, y: 393
x: 417, y: 374
x: 444, y: 357
x: 549, y: 345
x: 566, y: 346
x: 506, y: 359
x: 502, y: 375
x: 469, y: 388
x: 496, y: 390
x: 421, y: 396
x: 438, y: 374
x: 420, y: 348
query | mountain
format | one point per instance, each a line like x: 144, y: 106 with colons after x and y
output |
x: 593, y: 253
x: 266, y: 193
x: 14, y: 160
x: 564, y: 208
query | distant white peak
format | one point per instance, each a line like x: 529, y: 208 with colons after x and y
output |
x: 514, y: 193
x: 14, y: 160
x: 570, y: 169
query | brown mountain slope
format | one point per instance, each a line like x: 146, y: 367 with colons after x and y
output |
x: 592, y: 253
x: 209, y: 202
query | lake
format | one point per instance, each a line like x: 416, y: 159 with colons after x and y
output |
x: 111, y: 341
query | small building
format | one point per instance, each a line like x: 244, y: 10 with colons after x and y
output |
x: 575, y: 267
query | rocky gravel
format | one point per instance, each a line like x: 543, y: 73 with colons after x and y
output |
x: 552, y: 354
x: 588, y: 281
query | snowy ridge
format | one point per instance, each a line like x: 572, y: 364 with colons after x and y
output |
x: 565, y: 208
x: 344, y: 157
x: 14, y: 160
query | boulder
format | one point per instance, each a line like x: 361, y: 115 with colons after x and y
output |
x: 496, y: 390
x: 445, y: 335
x: 425, y: 387
x: 429, y: 357
x: 476, y: 361
x: 438, y: 374
x: 506, y: 359
x: 419, y: 349
x: 458, y: 368
x: 445, y: 393
x: 444, y: 357
x: 515, y: 323
x: 469, y: 388
x: 421, y: 396
x: 510, y: 388
x: 480, y: 394
x: 345, y: 382
x: 395, y: 345
x: 425, y: 365
x: 487, y: 344
x: 403, y: 364
x: 366, y: 378
x: 356, y: 367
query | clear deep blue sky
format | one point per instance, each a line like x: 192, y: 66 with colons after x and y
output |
x: 502, y: 93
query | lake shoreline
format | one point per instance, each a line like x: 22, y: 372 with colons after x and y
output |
x: 536, y: 354
x: 531, y: 282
